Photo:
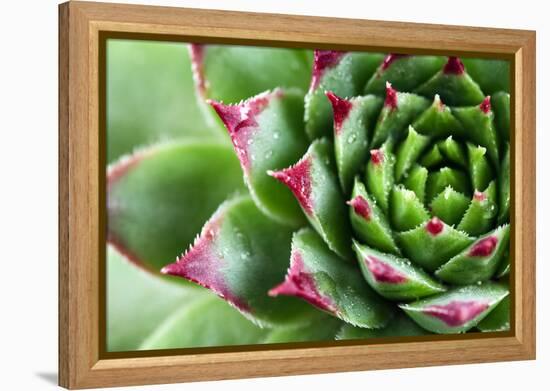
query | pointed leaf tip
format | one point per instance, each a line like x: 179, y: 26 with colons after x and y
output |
x: 360, y: 206
x: 391, y: 96
x: 299, y: 282
x: 434, y: 226
x: 479, y: 196
x: 485, y: 106
x: 201, y: 264
x: 241, y: 122
x: 390, y: 58
x: 454, y: 66
x: 323, y: 60
x: 298, y: 179
x: 439, y: 103
x: 341, y: 108
x: 376, y: 156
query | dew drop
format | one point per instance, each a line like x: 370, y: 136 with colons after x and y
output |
x: 351, y: 138
x: 276, y: 135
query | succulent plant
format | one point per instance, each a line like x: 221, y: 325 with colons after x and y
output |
x: 375, y: 199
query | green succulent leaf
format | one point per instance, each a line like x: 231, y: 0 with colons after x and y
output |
x: 322, y: 328
x: 453, y: 84
x: 130, y: 287
x: 159, y: 198
x: 240, y: 254
x: 477, y: 124
x: 408, y: 152
x: 354, y: 120
x: 394, y: 278
x: 501, y: 107
x: 328, y: 282
x: 432, y: 158
x: 498, y: 319
x: 480, y: 215
x: 504, y: 266
x: 232, y: 73
x: 457, y: 310
x: 314, y: 183
x: 405, y: 72
x: 399, y: 326
x: 504, y: 187
x: 491, y: 75
x: 343, y: 73
x: 481, y: 172
x: 416, y: 181
x: 450, y: 205
x: 479, y: 261
x: 452, y: 151
x: 400, y: 108
x: 379, y: 175
x: 208, y: 321
x: 267, y: 133
x: 432, y: 243
x: 445, y: 176
x: 407, y: 211
x: 438, y: 121
x: 369, y: 222
x: 151, y: 97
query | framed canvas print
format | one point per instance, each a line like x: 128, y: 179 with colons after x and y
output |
x: 247, y: 195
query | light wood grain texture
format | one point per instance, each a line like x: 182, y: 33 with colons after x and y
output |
x: 81, y: 169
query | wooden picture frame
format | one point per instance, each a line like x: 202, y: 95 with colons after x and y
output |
x: 82, y: 361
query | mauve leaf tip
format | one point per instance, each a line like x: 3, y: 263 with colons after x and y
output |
x: 340, y: 108
x: 391, y: 96
x: 434, y: 226
x: 299, y: 283
x: 376, y: 156
x: 298, y: 179
x: 322, y: 61
x: 485, y: 106
x: 453, y: 66
x: 360, y: 206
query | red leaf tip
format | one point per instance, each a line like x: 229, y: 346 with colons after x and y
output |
x: 201, y: 264
x: 391, y: 97
x: 439, y: 103
x: 241, y: 122
x: 323, y: 60
x: 485, y: 106
x: 298, y: 179
x: 382, y: 272
x: 434, y: 226
x: 376, y: 156
x: 341, y: 108
x: 456, y: 313
x: 360, y: 206
x: 300, y: 283
x: 453, y: 66
x: 484, y: 247
x: 479, y: 196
